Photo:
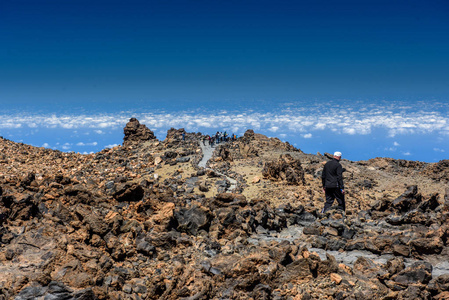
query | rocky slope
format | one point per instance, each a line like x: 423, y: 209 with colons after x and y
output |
x: 143, y: 221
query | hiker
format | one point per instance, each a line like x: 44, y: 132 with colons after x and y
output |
x: 332, y: 178
x: 217, y: 138
x: 183, y: 136
x: 205, y: 137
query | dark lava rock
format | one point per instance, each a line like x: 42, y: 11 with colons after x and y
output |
x: 224, y: 154
x: 193, y: 219
x: 170, y: 155
x: 55, y: 290
x: 313, y: 229
x: 28, y: 180
x: 431, y: 245
x: 408, y: 199
x: 419, y: 272
x: 129, y: 192
x: 183, y: 159
x: 439, y: 284
x: 304, y: 218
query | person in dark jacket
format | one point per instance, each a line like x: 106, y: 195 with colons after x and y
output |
x: 333, y: 186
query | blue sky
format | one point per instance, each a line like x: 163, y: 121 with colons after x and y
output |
x: 80, y: 62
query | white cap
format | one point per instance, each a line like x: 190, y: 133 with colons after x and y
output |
x: 338, y: 154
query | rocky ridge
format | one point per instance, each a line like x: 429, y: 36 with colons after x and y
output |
x: 142, y: 221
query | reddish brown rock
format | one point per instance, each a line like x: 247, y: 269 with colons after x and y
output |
x: 136, y: 133
x: 285, y: 168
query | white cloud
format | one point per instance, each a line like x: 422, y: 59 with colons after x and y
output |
x: 111, y: 146
x: 45, y: 145
x: 407, y: 153
x: 439, y: 150
x: 87, y: 144
x: 9, y: 124
x: 320, y: 126
x: 105, y: 124
x: 396, y: 144
x: 350, y: 131
x: 307, y: 135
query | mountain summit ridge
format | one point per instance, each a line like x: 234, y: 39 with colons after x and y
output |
x: 143, y: 221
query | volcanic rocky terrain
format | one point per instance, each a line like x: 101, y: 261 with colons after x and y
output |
x: 144, y: 221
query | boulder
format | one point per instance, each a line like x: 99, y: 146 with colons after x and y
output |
x: 427, y: 245
x: 439, y: 284
x: 225, y: 199
x: 224, y: 154
x: 248, y: 150
x: 192, y: 220
x: 394, y: 266
x: 129, y: 192
x: 299, y: 269
x: 419, y: 272
x: 286, y: 168
x: 367, y: 268
x: 26, y: 181
x: 408, y: 200
x: 327, y: 266
x: 183, y: 159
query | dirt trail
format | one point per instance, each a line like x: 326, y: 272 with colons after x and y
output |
x: 207, y: 154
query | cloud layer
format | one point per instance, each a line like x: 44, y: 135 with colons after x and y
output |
x: 341, y: 120
x: 289, y: 123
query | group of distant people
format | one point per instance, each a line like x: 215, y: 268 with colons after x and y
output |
x: 218, y: 137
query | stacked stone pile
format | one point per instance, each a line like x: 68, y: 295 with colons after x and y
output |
x: 135, y: 133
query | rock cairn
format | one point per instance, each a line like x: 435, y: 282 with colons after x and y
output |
x: 136, y: 133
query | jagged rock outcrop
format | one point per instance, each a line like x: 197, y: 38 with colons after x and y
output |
x: 246, y: 147
x: 136, y: 133
x: 285, y: 168
x: 224, y: 154
x: 175, y: 134
x: 438, y: 171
